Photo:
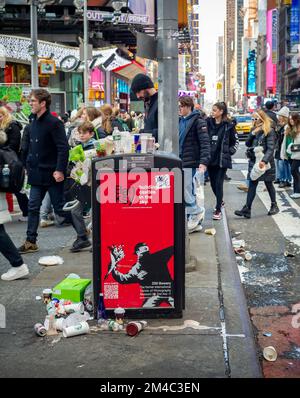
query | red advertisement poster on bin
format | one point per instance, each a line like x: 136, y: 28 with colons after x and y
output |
x: 137, y: 239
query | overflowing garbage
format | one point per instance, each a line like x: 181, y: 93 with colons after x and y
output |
x: 239, y: 247
x: 69, y: 308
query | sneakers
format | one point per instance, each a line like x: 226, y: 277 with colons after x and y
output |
x: 243, y: 188
x: 15, y: 273
x: 199, y: 228
x: 274, y: 209
x: 80, y: 244
x: 295, y: 196
x: 194, y: 220
x: 217, y: 215
x: 245, y: 212
x: 28, y: 247
x: 46, y: 223
x: 23, y: 219
x: 69, y: 206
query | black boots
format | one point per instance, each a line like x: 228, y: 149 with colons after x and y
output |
x: 274, y: 209
x: 245, y: 212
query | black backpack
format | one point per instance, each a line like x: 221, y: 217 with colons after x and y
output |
x: 16, y: 168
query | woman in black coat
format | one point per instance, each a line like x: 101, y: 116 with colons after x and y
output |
x: 262, y: 135
x: 223, y: 143
x: 10, y: 131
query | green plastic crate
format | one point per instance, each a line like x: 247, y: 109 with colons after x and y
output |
x: 71, y: 289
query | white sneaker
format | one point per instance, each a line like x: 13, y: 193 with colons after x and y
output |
x: 15, y: 273
x: 46, y: 223
x: 197, y: 229
x: 295, y: 196
x: 195, y: 220
x: 23, y: 219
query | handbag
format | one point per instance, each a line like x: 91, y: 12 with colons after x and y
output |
x: 16, y: 171
x: 295, y: 148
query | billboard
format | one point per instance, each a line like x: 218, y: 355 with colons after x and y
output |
x: 274, y: 35
x: 251, y: 78
x: 295, y: 23
x: 143, y: 7
x: 271, y: 68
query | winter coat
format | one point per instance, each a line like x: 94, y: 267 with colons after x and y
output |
x: 151, y: 117
x: 4, y: 213
x: 45, y: 149
x: 294, y: 155
x: 224, y: 143
x: 268, y: 143
x: 273, y: 117
x: 279, y: 141
x: 13, y: 136
x: 194, y: 141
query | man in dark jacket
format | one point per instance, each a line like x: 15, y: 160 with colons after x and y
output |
x: 194, y: 150
x: 270, y: 111
x: 142, y: 86
x: 45, y: 155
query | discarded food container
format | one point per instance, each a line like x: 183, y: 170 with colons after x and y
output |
x: 60, y: 324
x: 287, y: 254
x: 76, y: 330
x: 133, y: 328
x: 114, y: 326
x: 47, y: 296
x: 40, y: 330
x: 238, y: 243
x: 51, y: 260
x: 248, y: 256
x: 71, y: 289
x: 119, y: 314
x: 270, y: 354
x: 210, y: 231
x: 71, y: 308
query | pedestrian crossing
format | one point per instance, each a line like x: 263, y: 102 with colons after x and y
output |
x: 288, y: 220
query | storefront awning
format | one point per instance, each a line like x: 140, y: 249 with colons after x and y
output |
x: 130, y: 71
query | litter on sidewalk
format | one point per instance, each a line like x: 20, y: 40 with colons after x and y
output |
x: 48, y: 261
x: 270, y: 354
x: 210, y: 231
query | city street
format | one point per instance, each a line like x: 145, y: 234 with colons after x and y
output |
x: 270, y: 283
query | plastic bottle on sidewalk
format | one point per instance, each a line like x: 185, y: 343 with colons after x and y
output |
x: 117, y: 140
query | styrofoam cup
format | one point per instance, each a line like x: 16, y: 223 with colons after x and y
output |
x: 76, y: 330
x: 70, y: 308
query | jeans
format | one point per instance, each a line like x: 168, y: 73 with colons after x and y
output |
x: 284, y: 171
x: 78, y: 221
x: 46, y: 207
x: 191, y: 205
x: 217, y: 176
x: 23, y: 203
x: 37, y: 194
x: 252, y: 192
x: 296, y: 175
x: 8, y: 249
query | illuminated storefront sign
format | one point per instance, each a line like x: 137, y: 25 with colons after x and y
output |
x: 251, y: 81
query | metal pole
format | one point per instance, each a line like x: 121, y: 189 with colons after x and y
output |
x: 34, y: 43
x: 167, y: 47
x: 85, y: 54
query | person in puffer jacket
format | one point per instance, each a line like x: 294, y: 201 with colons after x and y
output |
x: 194, y: 150
x: 224, y: 143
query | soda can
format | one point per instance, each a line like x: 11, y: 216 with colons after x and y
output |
x: 40, y: 330
x: 133, y: 328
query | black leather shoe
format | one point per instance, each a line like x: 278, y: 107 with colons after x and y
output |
x: 245, y: 212
x: 274, y: 210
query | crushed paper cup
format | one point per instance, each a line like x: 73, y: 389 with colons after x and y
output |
x: 270, y: 354
x: 210, y: 231
x: 51, y: 260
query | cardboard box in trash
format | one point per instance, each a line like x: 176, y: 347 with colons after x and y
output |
x: 71, y: 289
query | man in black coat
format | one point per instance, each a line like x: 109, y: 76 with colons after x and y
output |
x: 270, y: 111
x: 45, y: 153
x: 142, y: 86
x: 194, y: 150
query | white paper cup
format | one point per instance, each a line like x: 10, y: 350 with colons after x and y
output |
x: 70, y: 308
x: 270, y: 354
x: 144, y: 142
x: 59, y: 324
x: 76, y: 330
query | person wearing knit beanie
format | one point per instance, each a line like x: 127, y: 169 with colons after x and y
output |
x: 143, y: 88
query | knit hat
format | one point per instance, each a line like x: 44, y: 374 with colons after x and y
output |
x: 141, y: 82
x: 284, y: 111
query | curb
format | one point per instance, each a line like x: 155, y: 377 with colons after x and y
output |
x: 227, y: 259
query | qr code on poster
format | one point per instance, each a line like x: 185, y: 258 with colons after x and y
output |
x: 162, y: 181
x: 111, y: 291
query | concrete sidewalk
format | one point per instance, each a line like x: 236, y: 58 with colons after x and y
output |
x: 223, y: 345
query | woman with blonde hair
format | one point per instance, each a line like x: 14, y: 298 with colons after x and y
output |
x: 110, y: 119
x: 262, y: 135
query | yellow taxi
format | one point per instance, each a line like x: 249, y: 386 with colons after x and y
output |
x: 243, y: 124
